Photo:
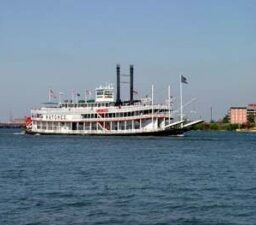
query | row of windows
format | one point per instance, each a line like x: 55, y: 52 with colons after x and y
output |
x: 37, y: 115
x: 125, y: 114
x: 105, y: 115
x: 90, y: 126
x: 105, y: 96
x: 106, y: 92
x: 87, y: 105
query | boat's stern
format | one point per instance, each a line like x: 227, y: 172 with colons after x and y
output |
x: 28, y: 125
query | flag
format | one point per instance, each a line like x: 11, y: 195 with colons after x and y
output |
x: 184, y: 80
x: 135, y: 92
x: 88, y: 92
x: 77, y: 94
x: 52, y: 94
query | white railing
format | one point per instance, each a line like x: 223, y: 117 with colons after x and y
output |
x: 85, y: 132
x: 107, y: 119
x: 111, y: 109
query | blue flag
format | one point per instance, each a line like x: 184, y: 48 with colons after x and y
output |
x: 184, y: 80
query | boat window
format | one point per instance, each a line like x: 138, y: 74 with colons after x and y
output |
x: 136, y: 124
x: 94, y: 127
x: 114, y: 126
x: 80, y: 126
x: 99, y: 92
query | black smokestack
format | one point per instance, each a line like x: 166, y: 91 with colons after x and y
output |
x: 131, y: 84
x: 118, y: 99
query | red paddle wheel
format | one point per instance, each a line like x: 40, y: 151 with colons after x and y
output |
x: 28, y: 124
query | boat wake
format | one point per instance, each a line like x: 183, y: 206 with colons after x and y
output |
x: 19, y: 133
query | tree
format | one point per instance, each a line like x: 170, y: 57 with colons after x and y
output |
x: 225, y: 119
x: 251, y: 119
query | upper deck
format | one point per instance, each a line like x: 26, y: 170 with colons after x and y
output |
x: 96, y: 110
x: 104, y: 104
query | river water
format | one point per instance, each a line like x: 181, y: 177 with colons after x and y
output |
x: 201, y: 178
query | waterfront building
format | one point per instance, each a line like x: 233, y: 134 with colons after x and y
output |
x: 251, y: 113
x: 251, y: 110
x: 238, y: 115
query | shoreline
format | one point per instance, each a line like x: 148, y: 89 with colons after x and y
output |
x: 10, y: 125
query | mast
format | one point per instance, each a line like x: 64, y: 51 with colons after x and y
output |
x: 49, y: 95
x: 76, y: 97
x: 181, y: 103
x: 72, y: 96
x: 60, y: 93
x: 169, y: 103
x: 152, y: 101
x: 182, y: 80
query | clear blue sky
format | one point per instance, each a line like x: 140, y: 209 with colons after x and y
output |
x: 70, y: 44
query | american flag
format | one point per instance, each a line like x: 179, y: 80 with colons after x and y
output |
x: 88, y: 92
x: 52, y: 94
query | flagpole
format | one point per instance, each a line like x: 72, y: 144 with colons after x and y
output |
x: 59, y: 98
x: 181, y: 101
x: 72, y: 96
x: 49, y: 95
x: 169, y: 100
x: 152, y: 106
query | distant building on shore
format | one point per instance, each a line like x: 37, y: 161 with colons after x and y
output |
x: 238, y: 115
x: 242, y: 115
x: 251, y: 110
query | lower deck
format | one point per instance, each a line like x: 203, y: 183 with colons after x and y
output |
x: 99, y: 127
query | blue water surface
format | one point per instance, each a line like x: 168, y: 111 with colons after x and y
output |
x: 202, y: 178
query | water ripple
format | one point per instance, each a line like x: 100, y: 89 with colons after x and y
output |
x: 202, y: 178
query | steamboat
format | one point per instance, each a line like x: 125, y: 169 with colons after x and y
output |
x: 107, y: 115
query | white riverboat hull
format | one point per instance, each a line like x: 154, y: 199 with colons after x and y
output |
x: 167, y: 132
